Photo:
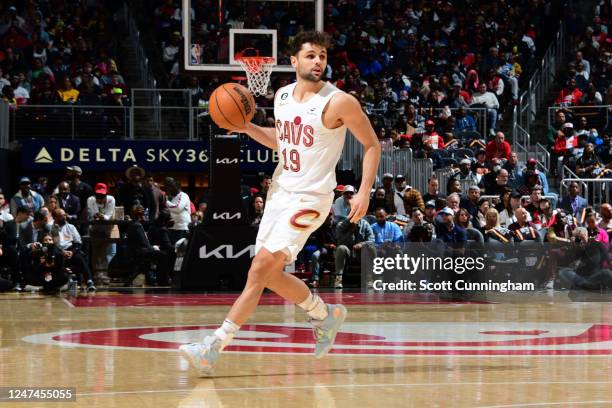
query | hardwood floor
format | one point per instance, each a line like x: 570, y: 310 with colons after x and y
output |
x: 119, y: 350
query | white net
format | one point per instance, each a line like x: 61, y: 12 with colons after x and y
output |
x: 258, y: 70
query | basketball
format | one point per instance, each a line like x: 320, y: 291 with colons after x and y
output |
x: 231, y: 106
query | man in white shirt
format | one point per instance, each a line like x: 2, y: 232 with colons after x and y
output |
x: 67, y: 238
x: 342, y: 206
x: 179, y: 206
x: 101, y: 207
x: 488, y: 100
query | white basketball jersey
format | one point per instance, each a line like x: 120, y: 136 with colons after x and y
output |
x: 308, y: 151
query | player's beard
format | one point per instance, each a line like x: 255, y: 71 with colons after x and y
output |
x: 309, y: 76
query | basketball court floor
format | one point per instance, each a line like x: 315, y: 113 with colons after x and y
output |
x: 119, y: 350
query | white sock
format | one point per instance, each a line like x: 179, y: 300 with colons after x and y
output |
x: 314, y: 307
x: 226, y: 332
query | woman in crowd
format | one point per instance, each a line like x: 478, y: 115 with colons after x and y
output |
x: 480, y: 220
x: 494, y: 232
x: 463, y: 218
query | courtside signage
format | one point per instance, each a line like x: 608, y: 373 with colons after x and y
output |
x: 152, y: 155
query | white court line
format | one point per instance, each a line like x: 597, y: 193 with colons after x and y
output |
x: 547, y: 404
x: 298, y: 387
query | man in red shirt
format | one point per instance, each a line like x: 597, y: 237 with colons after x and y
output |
x: 570, y: 95
x: 498, y: 148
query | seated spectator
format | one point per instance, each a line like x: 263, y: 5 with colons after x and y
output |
x: 30, y: 232
x: 101, y: 207
x: 570, y: 95
x: 431, y: 137
x: 545, y: 213
x: 606, y: 218
x: 530, y: 180
x: 573, y: 203
x: 47, y: 271
x: 463, y: 219
x: 412, y: 199
x: 494, y: 83
x: 67, y: 238
x: 257, y: 210
x: 556, y: 129
x: 433, y: 192
x: 25, y: 197
x: 5, y: 211
x: 453, y: 202
x: 531, y: 166
x: 179, y: 206
x: 533, y: 205
x: 134, y: 192
x: 501, y: 183
x: 479, y: 221
x: 385, y: 231
x: 342, y: 206
x: 560, y: 230
x: 452, y: 186
x: 522, y: 229
x: 596, y: 233
x: 417, y: 218
x: 591, y: 257
x: 68, y: 202
x: 486, y: 99
x: 140, y: 247
x: 513, y: 169
x: 78, y: 187
x: 604, y: 150
x: 470, y: 203
x: 508, y: 215
x: 67, y: 93
x: 465, y: 172
x: 421, y: 233
x: 499, y: 148
x: 589, y: 166
x: 352, y: 239
x: 430, y: 212
x: 464, y: 122
x: 324, y: 242
x: 9, y: 259
x: 379, y: 201
x: 398, y: 197
x: 447, y: 231
x: 493, y: 231
x: 51, y: 204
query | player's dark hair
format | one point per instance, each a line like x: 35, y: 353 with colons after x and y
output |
x: 313, y: 37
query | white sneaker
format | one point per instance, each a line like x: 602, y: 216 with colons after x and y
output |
x: 338, y: 283
x: 202, y: 356
x: 325, y: 330
x: 550, y: 284
x: 32, y: 288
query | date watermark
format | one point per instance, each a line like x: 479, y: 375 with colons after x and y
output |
x: 37, y: 394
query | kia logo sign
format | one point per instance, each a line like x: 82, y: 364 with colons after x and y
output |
x: 225, y: 160
x: 226, y: 216
x: 226, y: 252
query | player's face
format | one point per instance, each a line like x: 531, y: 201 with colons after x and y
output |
x: 310, y: 62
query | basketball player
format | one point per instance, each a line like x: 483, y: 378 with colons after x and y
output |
x: 312, y: 117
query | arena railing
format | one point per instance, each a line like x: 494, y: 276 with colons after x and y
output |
x: 539, y: 86
x: 598, y: 116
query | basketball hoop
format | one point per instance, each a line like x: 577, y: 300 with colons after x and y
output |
x: 258, y: 70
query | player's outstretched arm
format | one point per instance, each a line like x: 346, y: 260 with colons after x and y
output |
x: 265, y: 136
x: 350, y: 113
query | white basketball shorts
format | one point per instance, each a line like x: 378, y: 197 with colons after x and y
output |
x: 289, y: 219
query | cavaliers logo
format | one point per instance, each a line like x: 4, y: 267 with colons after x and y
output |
x: 303, y: 218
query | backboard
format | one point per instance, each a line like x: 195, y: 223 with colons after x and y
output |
x: 217, y: 32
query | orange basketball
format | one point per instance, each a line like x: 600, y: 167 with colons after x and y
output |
x: 231, y: 106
